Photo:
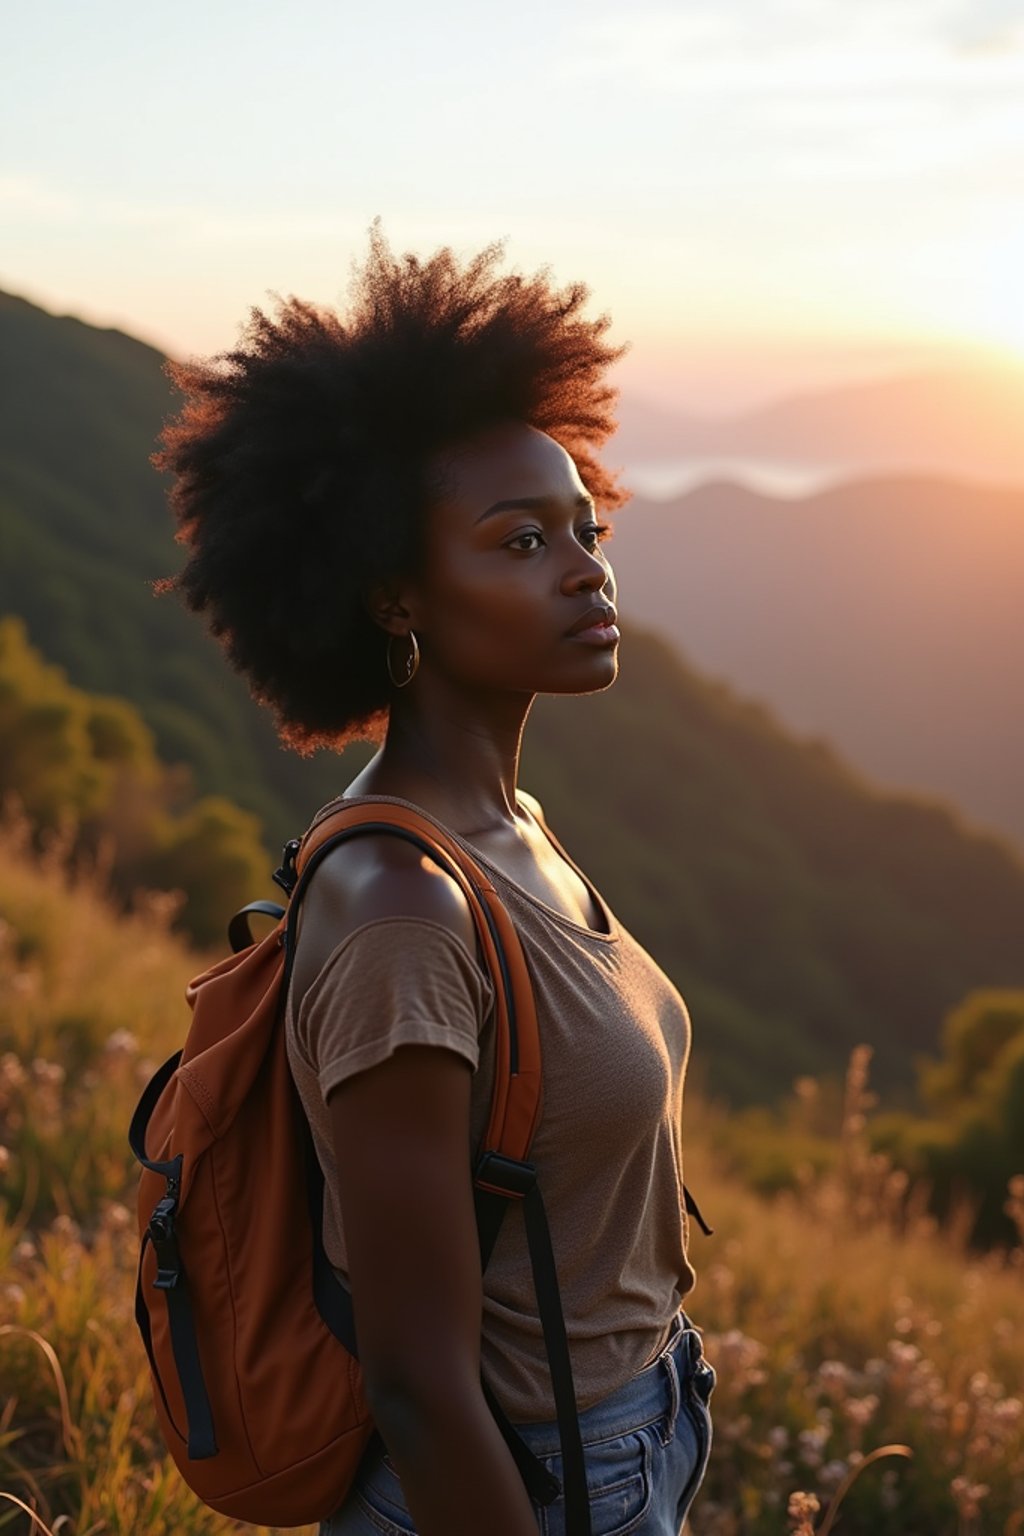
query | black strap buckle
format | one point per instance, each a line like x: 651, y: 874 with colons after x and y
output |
x: 504, y: 1175
x: 165, y: 1245
x: 287, y: 876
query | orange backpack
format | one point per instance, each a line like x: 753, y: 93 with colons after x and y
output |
x: 250, y: 1335
x: 249, y: 1332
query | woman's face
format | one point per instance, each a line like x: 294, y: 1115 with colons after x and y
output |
x: 515, y: 593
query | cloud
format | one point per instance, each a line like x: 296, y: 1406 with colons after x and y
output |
x: 886, y: 94
x: 998, y: 43
x: 783, y: 47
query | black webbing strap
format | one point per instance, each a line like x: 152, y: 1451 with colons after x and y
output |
x: 170, y: 1275
x: 239, y: 932
x: 143, y: 1112
x: 171, y: 1279
x: 143, y: 1323
x: 540, y: 1484
x: 545, y: 1280
x: 518, y: 1181
x: 693, y: 1209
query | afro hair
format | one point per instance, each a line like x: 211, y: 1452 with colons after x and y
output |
x: 302, y: 461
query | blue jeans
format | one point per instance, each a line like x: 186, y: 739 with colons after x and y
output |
x: 646, y: 1449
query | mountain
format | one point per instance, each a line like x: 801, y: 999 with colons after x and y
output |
x: 886, y: 615
x: 800, y: 909
x: 964, y: 422
x: 85, y: 531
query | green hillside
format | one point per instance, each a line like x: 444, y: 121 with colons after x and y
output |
x: 800, y: 910
x: 84, y: 531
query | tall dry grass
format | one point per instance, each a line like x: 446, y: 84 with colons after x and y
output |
x: 90, y: 1003
x: 839, y: 1318
x: 839, y: 1323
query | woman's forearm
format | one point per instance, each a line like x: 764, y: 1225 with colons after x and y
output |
x: 456, y: 1471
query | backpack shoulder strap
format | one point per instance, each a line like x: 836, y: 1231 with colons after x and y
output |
x: 515, y: 1102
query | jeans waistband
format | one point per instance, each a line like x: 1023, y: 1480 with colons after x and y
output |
x: 651, y: 1395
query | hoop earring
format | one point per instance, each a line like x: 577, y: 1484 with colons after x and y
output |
x: 411, y: 664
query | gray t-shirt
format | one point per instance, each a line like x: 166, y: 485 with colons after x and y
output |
x: 615, y: 1039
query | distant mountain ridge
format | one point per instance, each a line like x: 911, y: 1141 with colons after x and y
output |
x: 964, y: 422
x: 799, y: 910
x: 887, y: 615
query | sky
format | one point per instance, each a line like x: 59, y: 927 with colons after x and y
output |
x: 764, y: 194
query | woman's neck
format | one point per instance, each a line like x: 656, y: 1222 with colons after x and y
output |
x: 461, y: 767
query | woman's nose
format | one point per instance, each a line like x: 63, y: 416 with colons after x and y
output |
x: 588, y: 573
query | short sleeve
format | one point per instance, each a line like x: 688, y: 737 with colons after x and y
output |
x: 392, y: 982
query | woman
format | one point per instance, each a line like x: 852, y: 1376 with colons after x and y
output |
x: 394, y: 527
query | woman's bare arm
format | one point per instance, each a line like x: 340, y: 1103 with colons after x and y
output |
x: 400, y: 1132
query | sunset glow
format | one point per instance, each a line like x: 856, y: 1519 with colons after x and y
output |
x: 745, y: 180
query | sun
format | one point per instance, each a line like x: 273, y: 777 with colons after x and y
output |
x: 1000, y: 298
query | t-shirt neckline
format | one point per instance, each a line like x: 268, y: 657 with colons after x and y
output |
x: 612, y: 935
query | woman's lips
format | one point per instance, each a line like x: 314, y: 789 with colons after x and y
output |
x: 598, y: 634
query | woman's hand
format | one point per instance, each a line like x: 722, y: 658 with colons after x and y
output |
x: 401, y: 1137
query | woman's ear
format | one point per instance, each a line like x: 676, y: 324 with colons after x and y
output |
x: 387, y: 609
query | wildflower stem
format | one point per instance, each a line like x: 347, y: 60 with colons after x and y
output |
x: 68, y: 1430
x: 30, y: 1512
x: 852, y: 1476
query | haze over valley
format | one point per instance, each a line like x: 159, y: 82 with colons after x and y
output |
x: 886, y: 615
x: 962, y: 422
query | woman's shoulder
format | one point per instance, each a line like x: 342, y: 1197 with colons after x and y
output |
x: 369, y: 880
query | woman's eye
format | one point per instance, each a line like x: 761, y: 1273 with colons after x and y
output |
x: 595, y: 533
x: 590, y: 536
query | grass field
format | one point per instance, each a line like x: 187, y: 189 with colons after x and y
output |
x: 839, y: 1318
